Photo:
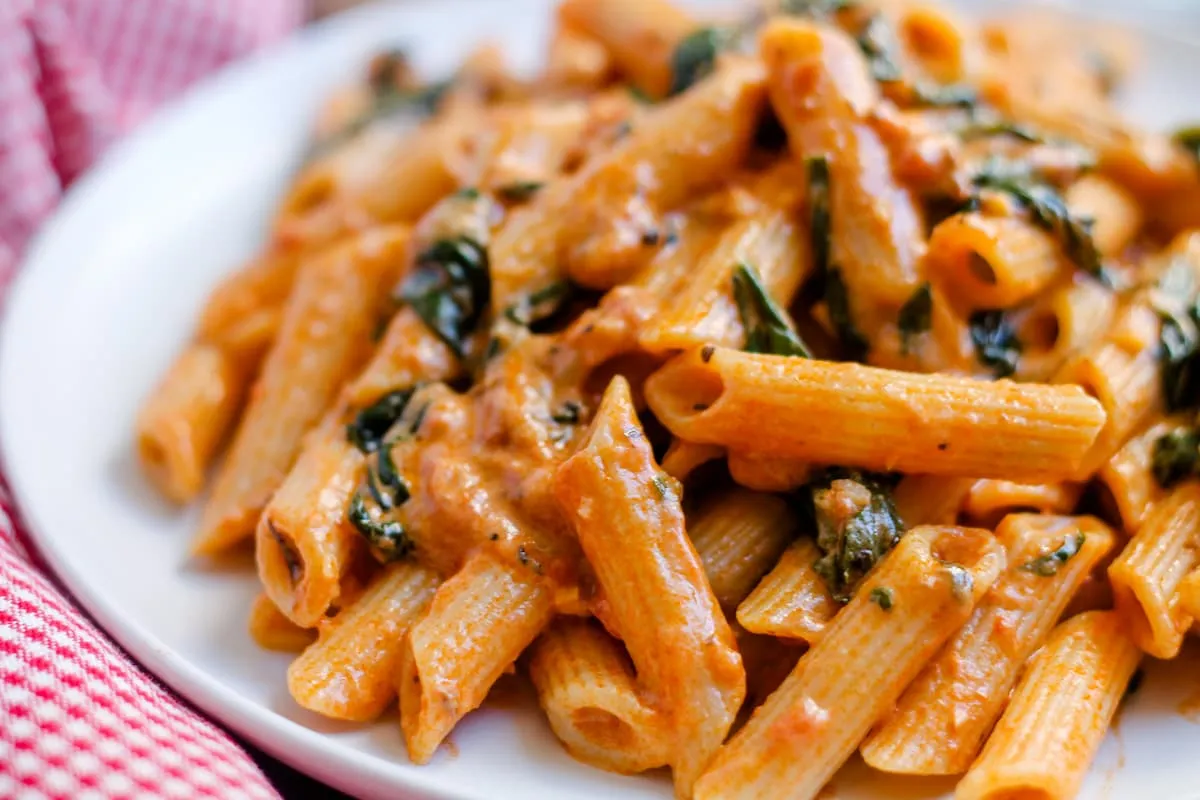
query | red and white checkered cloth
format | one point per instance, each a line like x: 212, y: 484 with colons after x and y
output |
x: 77, y: 718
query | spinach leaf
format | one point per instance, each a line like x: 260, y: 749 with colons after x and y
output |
x: 955, y: 95
x: 1179, y: 357
x: 916, y: 315
x: 1189, y: 139
x: 996, y: 343
x: 878, y: 43
x: 976, y: 128
x: 367, y: 429
x: 883, y: 597
x: 766, y: 325
x: 1048, y: 209
x: 819, y: 219
x: 540, y: 304
x: 389, y: 476
x: 816, y: 9
x: 1048, y: 565
x: 695, y: 57
x: 852, y: 544
x: 837, y: 303
x: 569, y: 413
x: 449, y: 289
x: 520, y: 191
x: 388, y: 539
x: 1176, y: 457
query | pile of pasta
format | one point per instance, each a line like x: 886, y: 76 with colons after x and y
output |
x: 816, y: 379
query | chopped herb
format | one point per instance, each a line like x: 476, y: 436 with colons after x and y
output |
x: 882, y: 597
x: 1179, y: 354
x: 381, y: 498
x: 816, y: 9
x: 1047, y: 566
x: 389, y: 476
x: 1189, y: 139
x: 695, y: 57
x: 1048, y: 209
x: 955, y: 95
x: 984, y: 129
x: 878, y: 43
x: 388, y: 539
x: 1176, y: 456
x: 540, y: 304
x: 368, y: 427
x: 520, y: 191
x: 961, y: 582
x: 569, y: 414
x: 449, y: 289
x: 767, y: 327
x: 706, y: 353
x: 494, y: 346
x: 662, y: 484
x: 640, y: 96
x: 995, y: 341
x: 467, y: 193
x: 817, y: 170
x: 837, y: 303
x: 852, y: 543
x: 916, y: 315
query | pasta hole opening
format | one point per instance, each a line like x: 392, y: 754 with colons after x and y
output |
x: 962, y: 546
x: 685, y: 391
x: 280, y: 554
x: 1041, y: 331
x: 980, y: 268
x: 604, y: 728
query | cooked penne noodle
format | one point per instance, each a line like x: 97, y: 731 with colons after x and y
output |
x: 1128, y: 478
x: 303, y: 542
x: 350, y: 671
x: 640, y: 36
x: 738, y: 536
x: 822, y: 91
x: 1147, y: 574
x: 587, y: 688
x: 271, y: 630
x: 684, y: 652
x: 995, y: 262
x: 826, y: 412
x: 595, y: 220
x: 792, y: 601
x: 767, y: 473
x: 1058, y: 714
x: 480, y: 620
x: 704, y: 311
x: 931, y: 499
x: 683, y: 458
x: 1116, y: 216
x: 185, y: 420
x: 325, y: 335
x: 992, y: 499
x: 837, y: 691
x: 1189, y: 594
x: 943, y: 717
x: 1064, y: 321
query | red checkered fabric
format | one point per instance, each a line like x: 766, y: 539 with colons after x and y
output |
x: 77, y: 718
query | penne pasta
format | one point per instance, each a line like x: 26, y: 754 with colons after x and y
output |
x: 1128, y: 478
x: 1148, y: 571
x: 349, y: 672
x: 943, y: 717
x: 324, y: 337
x: 792, y: 601
x: 684, y: 652
x: 1058, y: 714
x: 587, y: 688
x: 271, y: 630
x: 990, y: 500
x: 827, y: 412
x: 738, y: 536
x: 933, y: 580
x: 480, y: 620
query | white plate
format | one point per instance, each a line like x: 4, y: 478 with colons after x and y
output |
x: 108, y: 295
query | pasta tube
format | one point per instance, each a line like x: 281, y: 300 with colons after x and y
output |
x: 1059, y: 713
x: 944, y: 716
x: 920, y: 594
x: 654, y: 581
x: 792, y: 601
x: 839, y: 413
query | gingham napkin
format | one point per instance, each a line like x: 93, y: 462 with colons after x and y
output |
x: 77, y: 718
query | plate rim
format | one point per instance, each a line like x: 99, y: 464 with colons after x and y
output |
x: 309, y: 751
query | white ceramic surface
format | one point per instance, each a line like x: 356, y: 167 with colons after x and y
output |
x: 107, y: 297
